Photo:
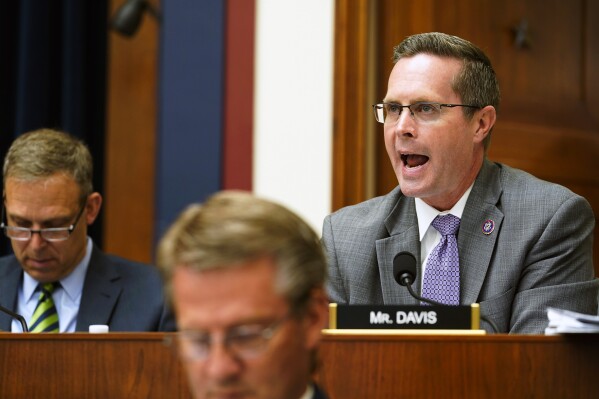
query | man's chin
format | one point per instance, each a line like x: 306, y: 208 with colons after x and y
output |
x: 229, y: 393
x: 409, y: 189
x: 42, y: 273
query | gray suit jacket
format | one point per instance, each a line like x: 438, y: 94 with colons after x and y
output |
x: 539, y: 254
x: 124, y: 295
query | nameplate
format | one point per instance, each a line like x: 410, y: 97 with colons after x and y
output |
x: 385, y: 317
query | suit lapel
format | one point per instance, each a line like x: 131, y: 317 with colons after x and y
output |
x: 476, y: 247
x: 318, y: 393
x: 402, y: 225
x: 101, y: 290
x: 10, y: 278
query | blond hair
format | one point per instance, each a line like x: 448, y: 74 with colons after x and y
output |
x: 232, y: 227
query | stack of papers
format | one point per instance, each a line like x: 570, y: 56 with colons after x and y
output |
x: 565, y: 321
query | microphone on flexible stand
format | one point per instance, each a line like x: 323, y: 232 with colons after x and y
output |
x: 404, y: 273
x: 17, y: 316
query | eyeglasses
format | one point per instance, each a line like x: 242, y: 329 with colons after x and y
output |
x: 245, y: 341
x: 52, y: 234
x: 388, y: 113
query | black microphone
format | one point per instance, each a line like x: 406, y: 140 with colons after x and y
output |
x: 404, y: 273
x: 16, y: 316
x: 128, y: 16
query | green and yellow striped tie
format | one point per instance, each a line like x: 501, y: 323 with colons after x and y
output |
x: 45, y: 318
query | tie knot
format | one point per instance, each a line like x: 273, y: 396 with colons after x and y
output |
x: 49, y: 287
x: 446, y: 224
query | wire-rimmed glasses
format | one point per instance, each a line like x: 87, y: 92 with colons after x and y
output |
x: 243, y: 341
x: 388, y: 113
x: 52, y: 234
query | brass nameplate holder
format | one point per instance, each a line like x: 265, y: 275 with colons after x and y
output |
x: 404, y: 319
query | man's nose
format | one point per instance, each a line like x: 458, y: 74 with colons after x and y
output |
x: 222, y: 364
x: 405, y: 124
x: 36, y: 239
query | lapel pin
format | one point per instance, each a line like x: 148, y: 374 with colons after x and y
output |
x: 488, y: 226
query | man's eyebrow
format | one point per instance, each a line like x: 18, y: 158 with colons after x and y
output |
x: 59, y: 220
x: 241, y: 323
x: 16, y: 218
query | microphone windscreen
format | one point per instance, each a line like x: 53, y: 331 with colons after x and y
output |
x: 404, y: 263
x: 128, y: 17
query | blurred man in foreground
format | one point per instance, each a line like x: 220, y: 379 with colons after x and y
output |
x: 246, y: 278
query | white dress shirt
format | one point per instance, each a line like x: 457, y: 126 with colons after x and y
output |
x: 309, y: 392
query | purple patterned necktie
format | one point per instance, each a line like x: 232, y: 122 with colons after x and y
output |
x: 441, y: 281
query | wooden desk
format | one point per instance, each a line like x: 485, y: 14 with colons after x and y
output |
x: 492, y: 366
x: 84, y: 366
x: 118, y: 365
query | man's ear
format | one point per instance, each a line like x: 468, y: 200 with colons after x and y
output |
x: 484, y: 119
x: 92, y: 207
x: 316, y: 317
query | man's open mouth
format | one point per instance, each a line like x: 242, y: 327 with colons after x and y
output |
x: 413, y: 160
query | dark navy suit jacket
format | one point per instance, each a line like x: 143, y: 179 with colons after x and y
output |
x: 125, y: 295
x: 318, y: 393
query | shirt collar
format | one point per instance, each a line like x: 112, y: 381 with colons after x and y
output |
x: 309, y: 392
x: 426, y: 213
x: 71, y: 284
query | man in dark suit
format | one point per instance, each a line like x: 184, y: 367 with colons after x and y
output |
x: 246, y: 277
x: 522, y: 244
x: 48, y: 202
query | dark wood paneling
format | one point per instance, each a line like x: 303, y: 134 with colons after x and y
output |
x: 544, y: 82
x: 128, y: 209
x: 350, y: 110
x: 496, y: 366
x: 91, y: 366
x: 139, y: 365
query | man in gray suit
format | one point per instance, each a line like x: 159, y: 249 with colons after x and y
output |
x: 48, y: 202
x: 524, y: 244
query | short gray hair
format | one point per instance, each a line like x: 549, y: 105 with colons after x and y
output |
x: 232, y: 227
x: 45, y: 152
